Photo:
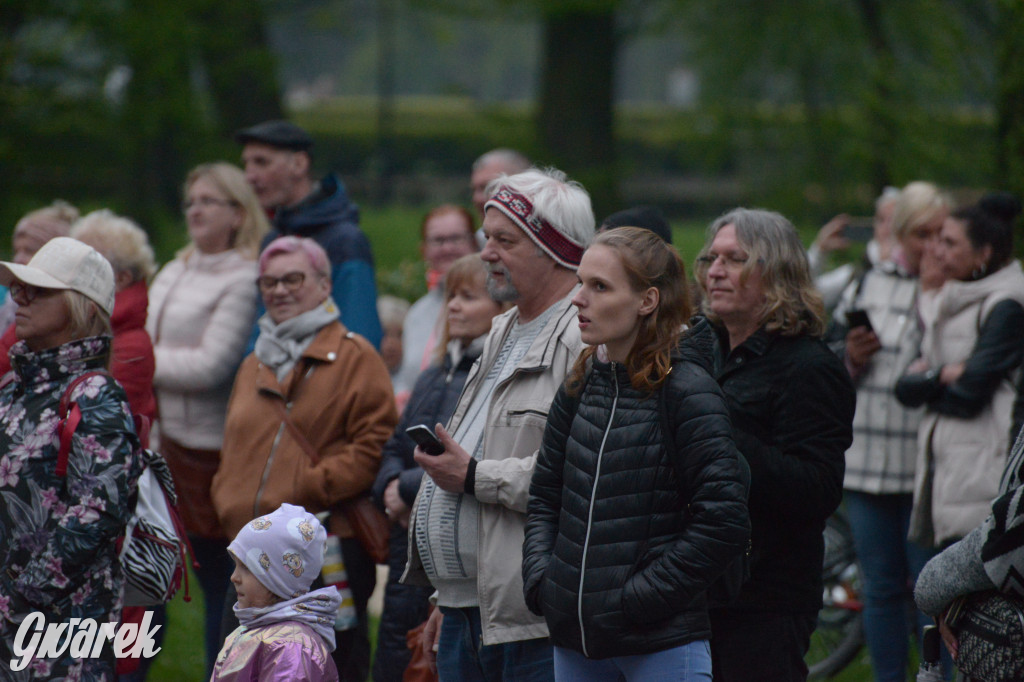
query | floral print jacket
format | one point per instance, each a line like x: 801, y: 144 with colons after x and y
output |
x: 58, y: 535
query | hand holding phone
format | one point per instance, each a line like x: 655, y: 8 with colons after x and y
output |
x: 858, y: 318
x: 859, y: 229
x: 426, y: 439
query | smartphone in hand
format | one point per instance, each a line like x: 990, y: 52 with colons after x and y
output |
x: 860, y: 229
x: 858, y: 318
x: 426, y: 439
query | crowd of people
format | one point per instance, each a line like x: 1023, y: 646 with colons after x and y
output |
x: 632, y: 469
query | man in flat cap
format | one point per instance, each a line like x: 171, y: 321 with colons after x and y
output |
x: 278, y: 165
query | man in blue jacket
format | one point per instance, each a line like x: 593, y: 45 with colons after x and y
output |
x: 278, y: 165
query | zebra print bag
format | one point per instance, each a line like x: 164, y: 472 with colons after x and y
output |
x: 989, y: 627
x: 153, y: 550
x: 155, y: 547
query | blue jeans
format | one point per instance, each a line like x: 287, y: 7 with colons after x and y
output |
x: 889, y: 565
x: 687, y: 663
x: 463, y: 657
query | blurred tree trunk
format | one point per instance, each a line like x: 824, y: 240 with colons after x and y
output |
x: 880, y: 107
x: 201, y: 69
x: 12, y: 15
x: 576, y: 99
x: 158, y: 114
x: 241, y: 67
x: 1010, y: 96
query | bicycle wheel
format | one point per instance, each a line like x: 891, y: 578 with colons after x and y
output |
x: 839, y: 635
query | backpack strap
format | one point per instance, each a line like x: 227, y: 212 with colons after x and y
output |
x: 8, y: 379
x: 70, y: 416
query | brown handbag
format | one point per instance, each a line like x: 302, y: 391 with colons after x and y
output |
x: 419, y: 668
x: 368, y: 523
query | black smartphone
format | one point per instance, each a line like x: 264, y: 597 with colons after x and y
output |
x: 860, y: 229
x: 858, y: 318
x: 426, y: 439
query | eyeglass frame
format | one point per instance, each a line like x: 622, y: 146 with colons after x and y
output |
x: 262, y: 279
x: 450, y: 240
x: 27, y: 292
x: 729, y: 261
x: 206, y: 202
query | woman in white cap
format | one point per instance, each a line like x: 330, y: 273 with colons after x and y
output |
x: 58, y: 543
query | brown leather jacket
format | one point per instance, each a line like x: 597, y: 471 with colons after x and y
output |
x: 339, y: 397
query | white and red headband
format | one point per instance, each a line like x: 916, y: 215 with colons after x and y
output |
x: 517, y: 208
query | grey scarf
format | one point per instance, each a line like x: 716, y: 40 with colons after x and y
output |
x: 280, y: 346
x: 316, y: 609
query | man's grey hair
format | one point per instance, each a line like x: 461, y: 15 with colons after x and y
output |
x: 512, y: 161
x: 562, y: 202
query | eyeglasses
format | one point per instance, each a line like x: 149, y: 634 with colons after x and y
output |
x: 23, y: 294
x: 291, y: 282
x: 453, y: 240
x: 206, y: 202
x: 730, y: 261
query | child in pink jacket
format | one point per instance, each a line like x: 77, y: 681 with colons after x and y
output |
x: 286, y: 632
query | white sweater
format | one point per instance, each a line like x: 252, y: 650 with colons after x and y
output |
x: 201, y: 311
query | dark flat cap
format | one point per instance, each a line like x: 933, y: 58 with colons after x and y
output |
x: 280, y: 134
x: 648, y: 217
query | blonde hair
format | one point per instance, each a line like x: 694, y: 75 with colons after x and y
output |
x: 919, y: 203
x: 43, y: 224
x: 60, y: 212
x: 85, y: 317
x: 469, y: 270
x: 792, y: 304
x: 391, y: 310
x: 120, y: 240
x: 231, y: 182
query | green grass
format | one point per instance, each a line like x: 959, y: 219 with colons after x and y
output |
x: 182, y: 659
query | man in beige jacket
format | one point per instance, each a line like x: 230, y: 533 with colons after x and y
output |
x: 466, y: 527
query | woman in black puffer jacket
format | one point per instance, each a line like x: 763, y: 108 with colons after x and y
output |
x: 628, y: 525
x: 468, y: 312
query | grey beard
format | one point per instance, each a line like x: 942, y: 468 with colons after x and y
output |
x: 502, y: 294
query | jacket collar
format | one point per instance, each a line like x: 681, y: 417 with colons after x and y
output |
x: 956, y: 295
x: 542, y: 352
x: 57, y: 364
x: 322, y: 349
x: 755, y: 344
x: 697, y: 344
x: 329, y: 203
x: 130, y: 308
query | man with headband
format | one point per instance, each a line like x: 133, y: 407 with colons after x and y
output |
x: 466, y: 527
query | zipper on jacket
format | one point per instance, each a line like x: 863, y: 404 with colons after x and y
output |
x: 590, y: 513
x: 266, y: 469
x: 277, y: 439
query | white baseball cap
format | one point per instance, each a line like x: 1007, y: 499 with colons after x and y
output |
x: 66, y: 263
